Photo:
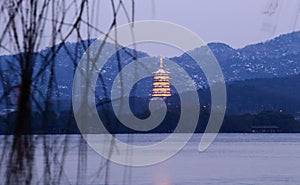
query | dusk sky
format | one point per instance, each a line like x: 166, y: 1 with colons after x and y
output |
x: 234, y: 22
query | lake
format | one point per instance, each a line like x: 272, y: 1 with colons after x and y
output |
x: 231, y: 159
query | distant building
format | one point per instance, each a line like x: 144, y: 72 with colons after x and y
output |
x: 161, y: 82
x: 265, y: 129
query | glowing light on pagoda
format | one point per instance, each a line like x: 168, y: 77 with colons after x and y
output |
x: 161, y: 82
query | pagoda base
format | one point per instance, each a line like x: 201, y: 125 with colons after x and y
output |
x: 158, y: 98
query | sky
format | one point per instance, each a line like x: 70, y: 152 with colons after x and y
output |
x: 235, y: 22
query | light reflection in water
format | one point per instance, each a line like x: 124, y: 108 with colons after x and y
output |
x: 162, y: 178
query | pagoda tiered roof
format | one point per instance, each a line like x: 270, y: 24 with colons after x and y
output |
x: 161, y: 82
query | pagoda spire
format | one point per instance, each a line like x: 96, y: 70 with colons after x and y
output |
x: 161, y: 62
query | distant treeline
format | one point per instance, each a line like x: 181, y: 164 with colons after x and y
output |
x: 256, y: 95
x: 64, y: 123
x: 247, y: 102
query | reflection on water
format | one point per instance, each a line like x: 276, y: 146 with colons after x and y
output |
x: 232, y: 159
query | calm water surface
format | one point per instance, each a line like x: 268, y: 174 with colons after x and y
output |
x: 231, y: 159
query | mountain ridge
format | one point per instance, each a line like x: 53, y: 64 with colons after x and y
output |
x: 275, y: 58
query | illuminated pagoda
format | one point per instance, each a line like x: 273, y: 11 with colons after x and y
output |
x: 161, y: 82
